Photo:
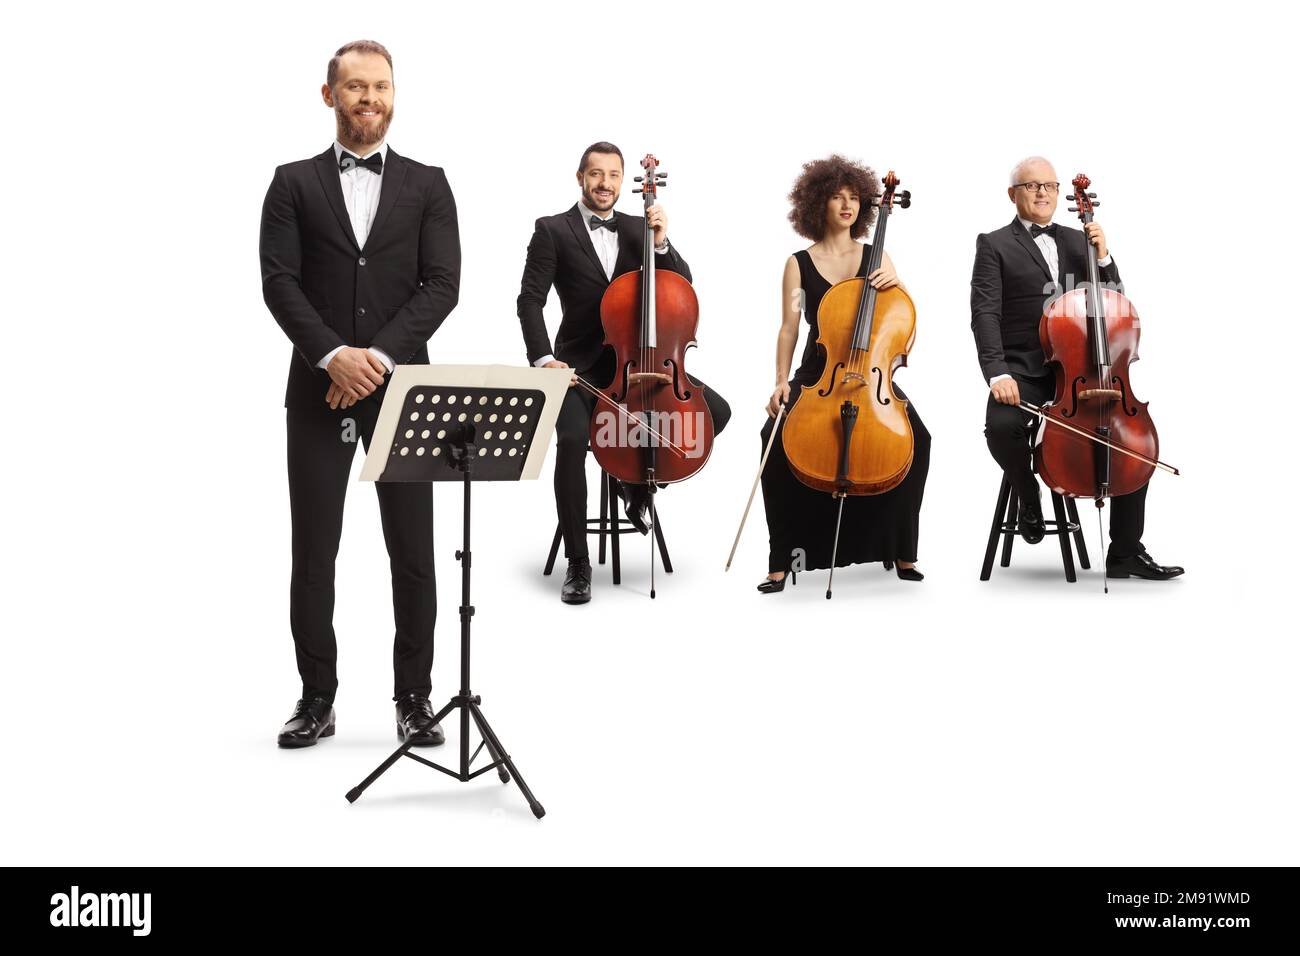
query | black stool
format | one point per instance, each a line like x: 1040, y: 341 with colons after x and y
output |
x: 611, y: 525
x: 1004, y: 523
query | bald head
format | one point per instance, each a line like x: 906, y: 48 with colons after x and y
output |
x: 1020, y: 172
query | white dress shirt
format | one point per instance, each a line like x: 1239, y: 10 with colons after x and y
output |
x: 361, y: 196
x: 605, y: 242
x: 1046, y: 244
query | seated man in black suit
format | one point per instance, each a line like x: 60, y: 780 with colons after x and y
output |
x: 581, y: 251
x: 1018, y: 270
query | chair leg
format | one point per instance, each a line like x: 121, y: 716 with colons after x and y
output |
x: 1072, y: 510
x: 1067, y: 558
x: 614, y: 537
x: 604, y: 513
x: 555, y: 549
x: 1009, y: 536
x: 663, y: 548
x: 998, y: 513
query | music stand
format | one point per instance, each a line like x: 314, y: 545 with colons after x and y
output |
x: 465, y: 423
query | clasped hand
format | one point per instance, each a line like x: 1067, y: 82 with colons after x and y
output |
x: 354, y: 373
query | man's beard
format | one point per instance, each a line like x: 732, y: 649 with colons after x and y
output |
x: 592, y: 203
x: 363, y: 134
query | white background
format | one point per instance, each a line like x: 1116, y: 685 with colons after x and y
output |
x: 147, y: 658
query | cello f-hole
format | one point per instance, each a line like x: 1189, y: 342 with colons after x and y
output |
x: 823, y: 392
x: 683, y: 394
x: 880, y: 384
x: 623, y: 381
x: 1123, y: 397
x: 1074, y: 398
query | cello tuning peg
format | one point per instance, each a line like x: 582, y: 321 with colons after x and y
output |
x: 1073, y: 208
x: 1092, y: 195
x: 638, y: 179
x: 638, y: 190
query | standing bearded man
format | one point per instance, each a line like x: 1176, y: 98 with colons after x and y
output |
x: 360, y: 266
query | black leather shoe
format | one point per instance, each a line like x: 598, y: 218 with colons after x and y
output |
x: 312, y: 719
x: 775, y: 587
x: 636, y: 505
x: 415, y: 721
x: 577, y: 582
x: 908, y: 574
x: 1140, y: 566
x: 1029, y: 519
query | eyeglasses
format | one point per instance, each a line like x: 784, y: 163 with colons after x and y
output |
x: 1034, y: 187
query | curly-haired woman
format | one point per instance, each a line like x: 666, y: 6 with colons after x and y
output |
x: 831, y: 205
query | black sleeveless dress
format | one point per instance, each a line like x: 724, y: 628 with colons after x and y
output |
x: 875, y: 527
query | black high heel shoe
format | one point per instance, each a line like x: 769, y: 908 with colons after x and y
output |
x: 775, y: 587
x: 907, y: 574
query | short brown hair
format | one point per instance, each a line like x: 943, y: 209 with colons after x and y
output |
x: 601, y: 147
x: 356, y: 46
x: 820, y: 180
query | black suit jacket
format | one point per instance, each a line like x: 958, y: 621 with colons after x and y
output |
x: 325, y: 290
x: 1009, y: 291
x: 561, y: 254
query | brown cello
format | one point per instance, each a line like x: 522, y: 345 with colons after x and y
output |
x: 849, y: 434
x: 1104, y: 441
x: 651, y: 425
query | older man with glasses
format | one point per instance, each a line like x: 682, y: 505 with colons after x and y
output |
x: 1018, y: 270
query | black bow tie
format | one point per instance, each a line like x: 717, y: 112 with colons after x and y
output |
x: 1037, y: 230
x: 374, y: 162
x: 595, y: 222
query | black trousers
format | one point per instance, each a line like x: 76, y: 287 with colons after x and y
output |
x: 572, y: 429
x: 1007, y: 430
x: 319, y: 461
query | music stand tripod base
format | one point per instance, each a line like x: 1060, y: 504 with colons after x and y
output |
x: 466, y: 701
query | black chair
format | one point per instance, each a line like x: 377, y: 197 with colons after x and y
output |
x: 610, y: 525
x: 1066, y: 523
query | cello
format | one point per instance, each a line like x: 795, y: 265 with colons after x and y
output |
x: 849, y: 434
x: 1089, y: 337
x: 660, y: 430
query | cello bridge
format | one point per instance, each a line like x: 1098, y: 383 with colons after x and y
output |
x: 854, y: 377
x: 1101, y: 393
x: 639, y: 378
